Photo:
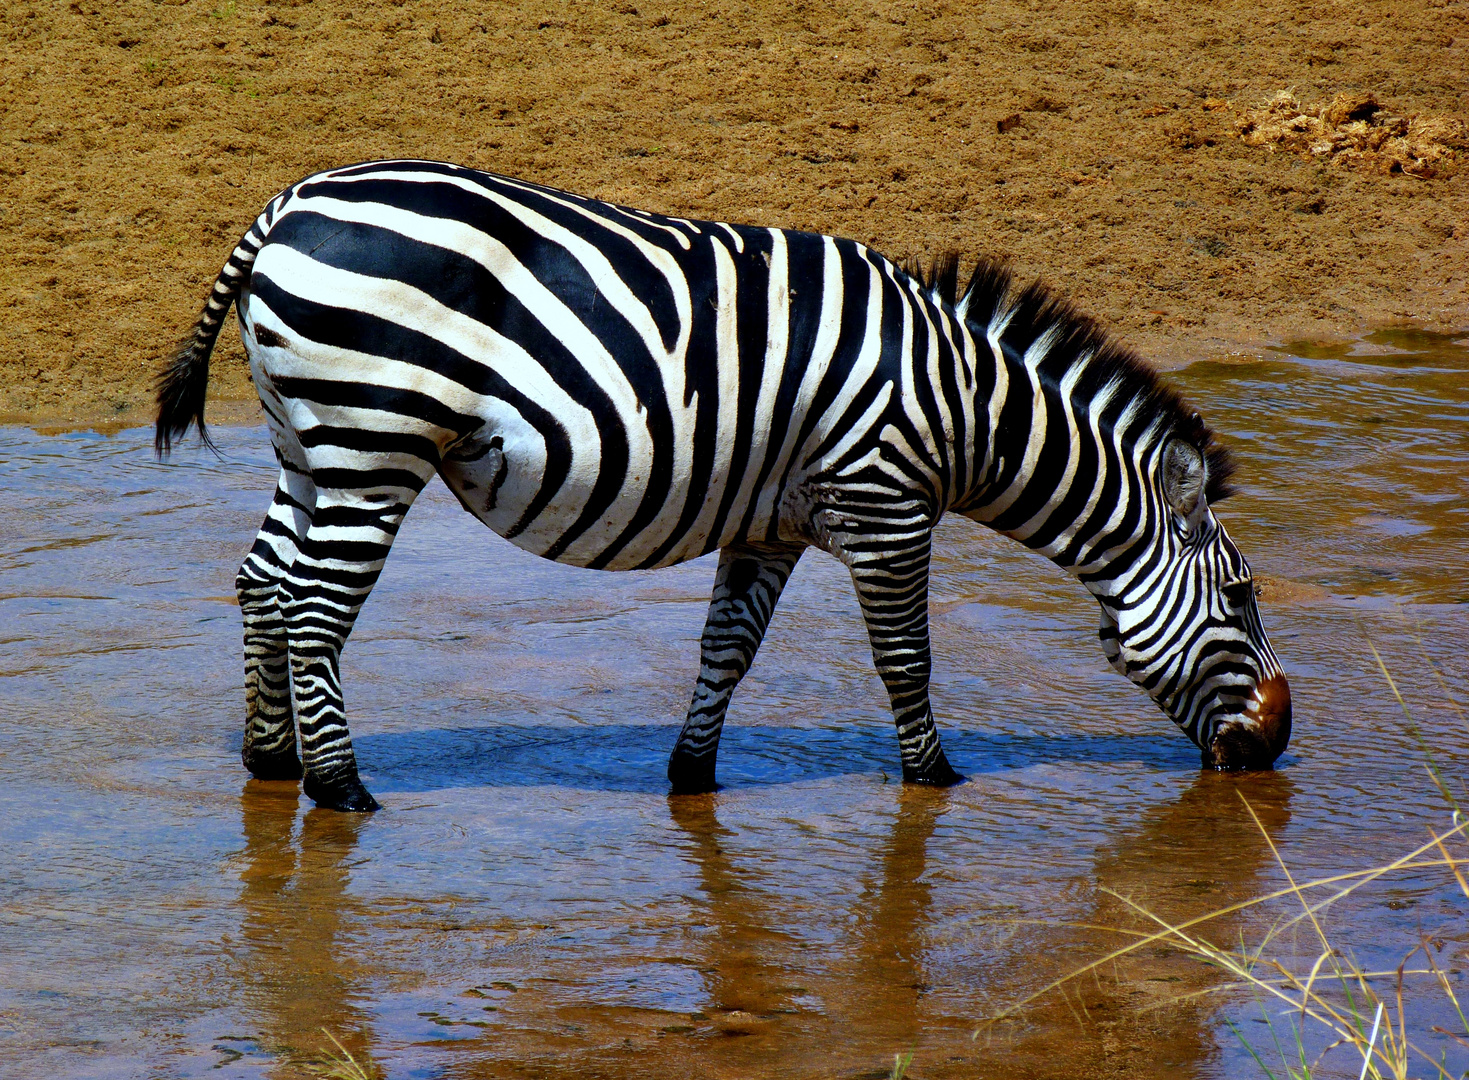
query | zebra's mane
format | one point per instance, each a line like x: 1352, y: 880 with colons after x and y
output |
x: 1034, y: 310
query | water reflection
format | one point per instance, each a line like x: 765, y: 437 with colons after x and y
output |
x: 892, y: 928
x: 773, y: 971
x: 876, y: 976
x: 1151, y: 1013
x: 300, y: 965
x: 747, y: 961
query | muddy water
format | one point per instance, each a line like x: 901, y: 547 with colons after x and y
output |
x: 531, y: 902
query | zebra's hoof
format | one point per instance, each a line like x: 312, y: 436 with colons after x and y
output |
x: 939, y: 774
x: 691, y: 775
x: 347, y: 794
x: 283, y: 765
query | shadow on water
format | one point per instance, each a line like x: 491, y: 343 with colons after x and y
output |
x: 633, y: 757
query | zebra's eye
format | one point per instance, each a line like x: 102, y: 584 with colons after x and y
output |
x: 1238, y: 593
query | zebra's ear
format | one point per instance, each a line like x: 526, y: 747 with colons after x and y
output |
x: 1185, y: 475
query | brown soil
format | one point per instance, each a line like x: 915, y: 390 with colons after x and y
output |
x: 1098, y: 144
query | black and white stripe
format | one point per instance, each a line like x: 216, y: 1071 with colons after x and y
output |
x: 618, y: 389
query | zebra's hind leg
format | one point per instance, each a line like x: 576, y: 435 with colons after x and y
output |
x: 746, y: 587
x: 269, y: 749
x: 352, y: 529
x: 892, y: 587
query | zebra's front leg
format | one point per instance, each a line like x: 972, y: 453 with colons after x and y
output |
x: 340, y: 560
x: 892, y: 587
x: 746, y: 587
x: 269, y: 750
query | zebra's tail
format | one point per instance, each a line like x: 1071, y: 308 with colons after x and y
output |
x: 183, y: 383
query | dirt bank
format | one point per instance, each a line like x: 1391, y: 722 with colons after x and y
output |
x: 1099, y: 144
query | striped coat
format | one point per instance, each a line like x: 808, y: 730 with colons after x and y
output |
x: 619, y: 390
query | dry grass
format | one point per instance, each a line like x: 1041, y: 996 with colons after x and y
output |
x: 1332, y: 995
x: 1335, y: 993
x: 1354, y: 130
x: 339, y: 1064
x: 1359, y: 1008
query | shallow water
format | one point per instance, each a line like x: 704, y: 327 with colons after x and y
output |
x: 531, y: 902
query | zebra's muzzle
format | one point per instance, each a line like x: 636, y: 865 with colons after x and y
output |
x: 1259, y: 736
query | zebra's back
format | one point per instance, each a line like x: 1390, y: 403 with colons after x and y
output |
x: 603, y: 386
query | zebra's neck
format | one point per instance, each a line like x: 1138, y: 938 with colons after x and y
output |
x: 1068, y: 432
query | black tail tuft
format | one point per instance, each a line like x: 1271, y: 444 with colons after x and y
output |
x: 183, y: 384
x: 182, y: 387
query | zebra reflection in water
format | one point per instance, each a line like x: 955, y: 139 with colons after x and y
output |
x: 618, y: 390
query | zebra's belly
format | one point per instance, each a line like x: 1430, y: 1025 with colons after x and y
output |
x: 548, y: 487
x: 503, y: 480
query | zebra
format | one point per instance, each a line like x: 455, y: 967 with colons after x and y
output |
x: 618, y: 389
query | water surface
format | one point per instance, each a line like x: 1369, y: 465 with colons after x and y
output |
x: 531, y: 902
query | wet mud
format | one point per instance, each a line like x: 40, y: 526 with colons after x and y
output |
x: 531, y: 902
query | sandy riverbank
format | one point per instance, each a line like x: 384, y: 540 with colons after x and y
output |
x: 1096, y: 144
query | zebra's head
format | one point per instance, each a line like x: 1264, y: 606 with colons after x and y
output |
x: 1181, y: 621
x: 1102, y: 467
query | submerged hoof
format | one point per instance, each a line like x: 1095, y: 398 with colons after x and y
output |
x: 346, y: 794
x: 691, y: 775
x: 939, y: 774
x: 282, y: 765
